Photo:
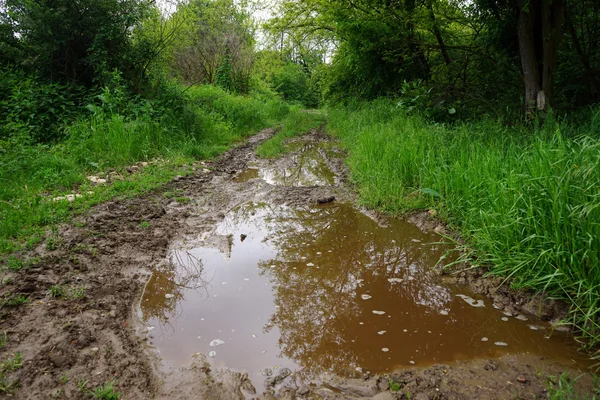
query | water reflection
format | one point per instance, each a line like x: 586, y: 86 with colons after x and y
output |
x: 309, y: 169
x: 323, y: 288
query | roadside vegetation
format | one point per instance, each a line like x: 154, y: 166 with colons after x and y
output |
x: 527, y: 200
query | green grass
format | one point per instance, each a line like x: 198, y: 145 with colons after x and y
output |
x: 526, y: 200
x: 105, y: 392
x: 203, y: 122
x: 57, y: 291
x: 295, y: 124
x: 563, y: 388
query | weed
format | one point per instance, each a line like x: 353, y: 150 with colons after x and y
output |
x: 76, y: 293
x: 12, y: 364
x: 63, y: 379
x: 395, y: 386
x: 7, y: 386
x: 144, y: 224
x: 15, y: 301
x: 82, y: 384
x: 52, y: 242
x: 16, y: 264
x: 183, y: 200
x: 3, y: 340
x: 56, y: 291
x: 105, y: 392
x: 58, y: 393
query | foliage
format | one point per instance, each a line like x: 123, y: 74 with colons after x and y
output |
x: 214, y: 44
x: 466, y: 52
x: 78, y: 42
x: 527, y: 203
x: 32, y: 110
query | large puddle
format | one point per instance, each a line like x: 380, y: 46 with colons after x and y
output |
x: 324, y: 288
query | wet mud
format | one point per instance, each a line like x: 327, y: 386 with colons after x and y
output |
x: 254, y: 287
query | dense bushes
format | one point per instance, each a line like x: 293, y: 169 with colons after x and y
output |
x: 527, y: 202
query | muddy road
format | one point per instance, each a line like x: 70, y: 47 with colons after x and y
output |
x: 263, y: 279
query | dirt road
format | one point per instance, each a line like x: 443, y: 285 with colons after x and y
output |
x: 95, y: 331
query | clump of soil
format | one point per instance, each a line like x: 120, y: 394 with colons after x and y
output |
x: 79, y: 328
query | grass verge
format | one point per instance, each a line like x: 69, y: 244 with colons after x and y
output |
x: 527, y: 201
x: 296, y: 123
x: 200, y: 124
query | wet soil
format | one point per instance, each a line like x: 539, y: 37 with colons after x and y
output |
x: 217, y: 258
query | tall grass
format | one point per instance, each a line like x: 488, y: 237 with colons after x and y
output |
x: 199, y: 124
x: 527, y: 201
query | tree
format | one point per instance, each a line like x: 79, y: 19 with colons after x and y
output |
x: 78, y: 41
x: 540, y: 30
x: 215, y: 42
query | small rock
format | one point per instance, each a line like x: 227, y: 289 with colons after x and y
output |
x: 324, y: 200
x: 491, y: 366
x: 522, y: 379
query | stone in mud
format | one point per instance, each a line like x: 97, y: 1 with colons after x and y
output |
x: 491, y: 365
x: 284, y: 373
x: 324, y: 200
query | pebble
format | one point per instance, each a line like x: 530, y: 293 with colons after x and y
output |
x: 501, y: 344
x: 378, y: 312
x: 385, y: 349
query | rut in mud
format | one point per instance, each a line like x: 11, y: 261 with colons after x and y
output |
x: 245, y: 280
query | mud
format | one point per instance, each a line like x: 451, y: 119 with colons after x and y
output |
x: 120, y: 247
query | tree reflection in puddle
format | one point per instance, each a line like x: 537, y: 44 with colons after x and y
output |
x: 323, y: 288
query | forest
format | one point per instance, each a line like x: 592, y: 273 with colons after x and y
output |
x: 484, y: 112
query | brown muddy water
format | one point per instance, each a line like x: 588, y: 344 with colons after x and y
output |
x: 325, y: 288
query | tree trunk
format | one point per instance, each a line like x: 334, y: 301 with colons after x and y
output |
x: 529, y: 57
x: 539, y: 31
